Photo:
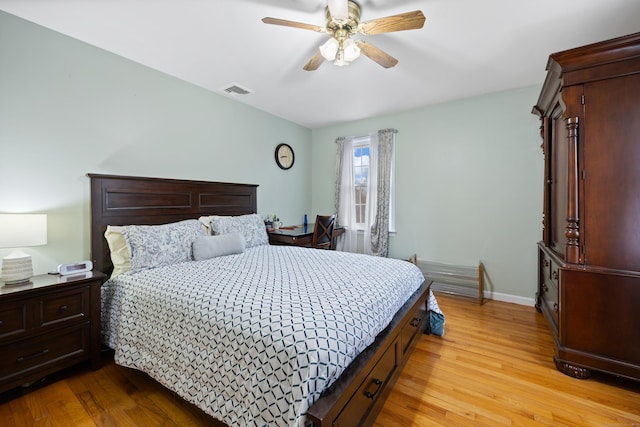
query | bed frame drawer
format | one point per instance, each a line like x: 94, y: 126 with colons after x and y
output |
x: 358, y: 395
x: 369, y: 391
x: 411, y: 328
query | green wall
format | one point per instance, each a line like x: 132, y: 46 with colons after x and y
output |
x: 469, y: 185
x: 68, y: 109
x: 469, y: 173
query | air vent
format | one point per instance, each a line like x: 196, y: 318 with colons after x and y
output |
x: 235, y: 89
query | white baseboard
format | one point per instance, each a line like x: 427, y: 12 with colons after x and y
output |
x: 510, y: 298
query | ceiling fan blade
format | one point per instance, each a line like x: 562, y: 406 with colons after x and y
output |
x: 285, y: 23
x: 314, y: 62
x: 404, y: 21
x: 377, y: 55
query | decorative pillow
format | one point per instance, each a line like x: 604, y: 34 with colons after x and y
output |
x: 120, y: 255
x: 250, y: 226
x: 157, y: 245
x: 205, y: 247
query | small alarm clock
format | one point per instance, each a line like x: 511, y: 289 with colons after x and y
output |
x: 75, y: 267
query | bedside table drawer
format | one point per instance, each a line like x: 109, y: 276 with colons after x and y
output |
x: 13, y: 319
x: 48, y: 324
x: 38, y: 352
x: 64, y: 306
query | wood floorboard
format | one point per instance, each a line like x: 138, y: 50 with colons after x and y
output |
x: 493, y: 367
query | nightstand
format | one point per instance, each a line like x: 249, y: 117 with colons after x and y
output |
x: 48, y: 324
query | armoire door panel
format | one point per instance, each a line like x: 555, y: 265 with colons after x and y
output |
x: 606, y: 326
x: 611, y: 153
x: 558, y: 177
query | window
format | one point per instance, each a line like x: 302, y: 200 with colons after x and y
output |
x: 361, y: 151
x: 361, y: 156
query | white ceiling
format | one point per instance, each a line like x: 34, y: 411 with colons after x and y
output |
x: 466, y: 48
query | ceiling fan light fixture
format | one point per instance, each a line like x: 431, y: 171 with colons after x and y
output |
x: 347, y: 52
x: 340, y: 61
x: 339, y: 10
x: 351, y: 50
x: 329, y: 49
x: 343, y: 22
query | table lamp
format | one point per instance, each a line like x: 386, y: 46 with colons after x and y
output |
x: 18, y: 231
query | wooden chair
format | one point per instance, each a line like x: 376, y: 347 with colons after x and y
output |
x: 323, y: 232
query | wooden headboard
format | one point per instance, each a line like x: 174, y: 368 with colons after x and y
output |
x: 125, y: 200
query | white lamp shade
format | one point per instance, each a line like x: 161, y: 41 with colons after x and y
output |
x: 20, y: 230
x: 329, y: 49
x: 351, y: 50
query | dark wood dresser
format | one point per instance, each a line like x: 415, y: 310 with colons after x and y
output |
x: 589, y: 257
x: 48, y: 324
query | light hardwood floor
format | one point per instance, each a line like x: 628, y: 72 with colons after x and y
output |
x: 493, y: 367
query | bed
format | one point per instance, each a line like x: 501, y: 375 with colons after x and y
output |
x: 272, y: 358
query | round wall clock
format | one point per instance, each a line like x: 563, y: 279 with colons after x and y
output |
x: 284, y: 156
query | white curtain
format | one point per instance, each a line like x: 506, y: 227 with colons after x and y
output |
x: 345, y: 196
x: 378, y: 207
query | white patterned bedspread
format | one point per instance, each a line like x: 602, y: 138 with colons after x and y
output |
x: 253, y: 339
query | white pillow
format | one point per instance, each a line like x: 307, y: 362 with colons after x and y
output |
x: 120, y: 255
x: 205, y: 247
x: 158, y: 245
x: 250, y: 226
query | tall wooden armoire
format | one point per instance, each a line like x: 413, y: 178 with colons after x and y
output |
x: 589, y: 256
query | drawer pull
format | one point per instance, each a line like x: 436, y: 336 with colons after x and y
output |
x: 373, y: 395
x: 1, y: 322
x: 63, y: 308
x: 415, y: 322
x: 32, y: 356
x: 555, y: 307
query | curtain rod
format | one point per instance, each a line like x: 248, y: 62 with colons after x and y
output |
x: 362, y: 136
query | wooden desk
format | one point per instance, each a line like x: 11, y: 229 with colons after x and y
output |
x: 298, y: 235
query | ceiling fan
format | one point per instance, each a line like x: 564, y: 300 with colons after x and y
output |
x: 343, y: 21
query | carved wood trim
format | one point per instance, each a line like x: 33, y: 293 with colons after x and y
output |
x: 546, y: 136
x: 572, y: 230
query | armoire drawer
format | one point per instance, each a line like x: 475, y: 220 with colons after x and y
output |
x: 549, y: 286
x: 550, y: 298
x: 550, y: 269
